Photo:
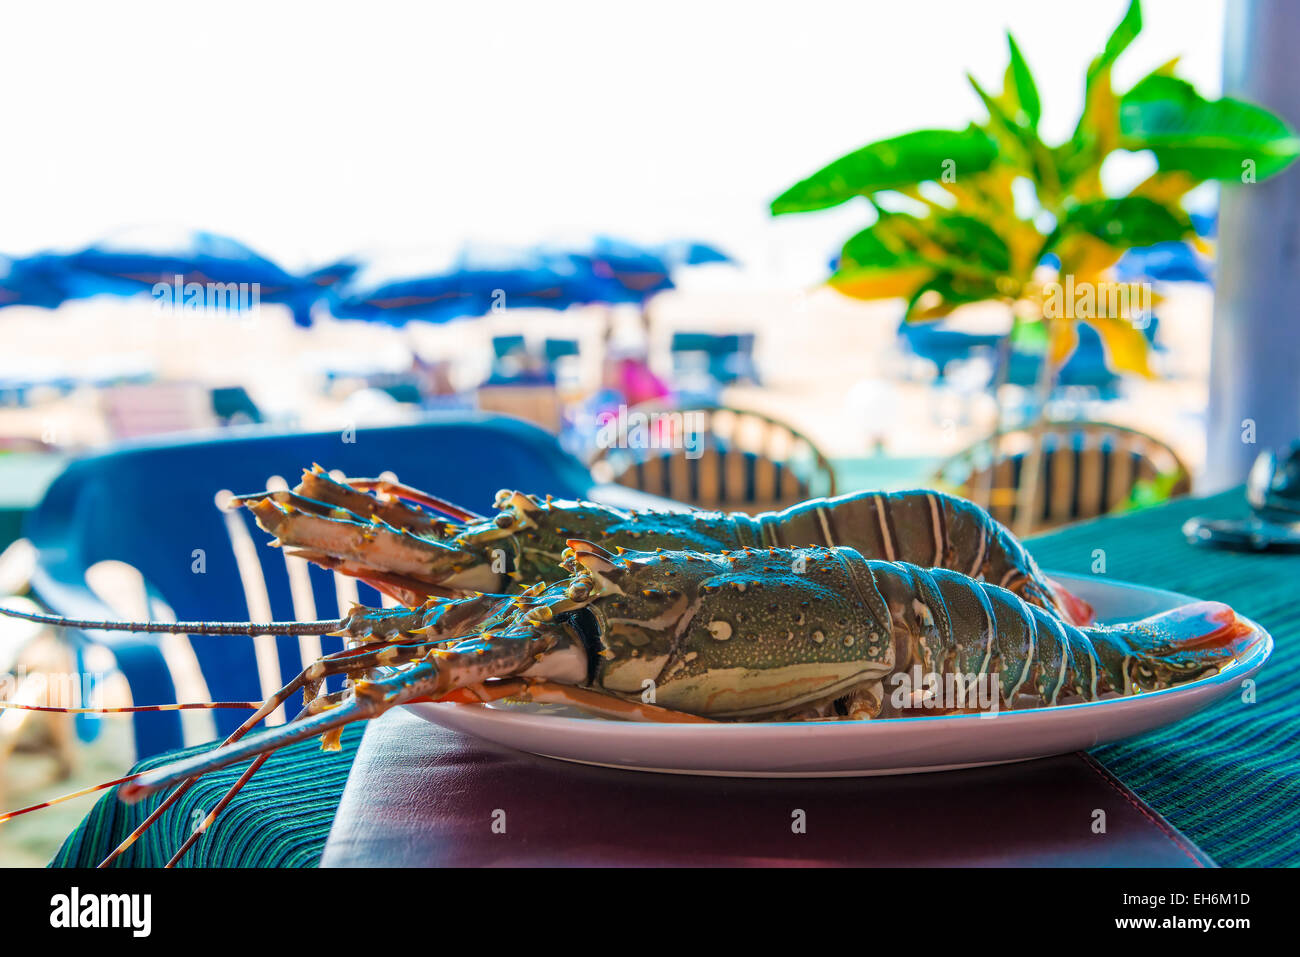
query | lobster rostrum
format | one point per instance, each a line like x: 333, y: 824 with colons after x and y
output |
x: 412, y: 554
x: 745, y: 634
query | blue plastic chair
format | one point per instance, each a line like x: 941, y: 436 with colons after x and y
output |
x: 152, y: 506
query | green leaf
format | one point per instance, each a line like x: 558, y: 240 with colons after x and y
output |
x: 1123, y: 223
x: 946, y: 242
x: 870, y: 248
x: 1023, y: 83
x: 1209, y: 139
x: 945, y: 292
x: 974, y: 241
x: 894, y: 163
x: 1019, y: 141
x: 1097, y: 131
x: 1149, y: 492
x: 1125, y: 33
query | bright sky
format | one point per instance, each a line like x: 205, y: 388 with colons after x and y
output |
x: 316, y: 130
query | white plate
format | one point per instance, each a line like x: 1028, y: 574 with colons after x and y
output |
x: 855, y: 748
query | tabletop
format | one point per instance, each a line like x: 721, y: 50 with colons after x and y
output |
x: 1228, y: 778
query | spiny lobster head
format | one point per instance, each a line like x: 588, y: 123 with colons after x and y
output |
x: 521, y: 541
x: 527, y: 536
x: 749, y: 631
x: 368, y: 528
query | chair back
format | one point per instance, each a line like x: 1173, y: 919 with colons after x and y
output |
x: 152, y: 506
x: 715, y: 458
x: 1086, y: 469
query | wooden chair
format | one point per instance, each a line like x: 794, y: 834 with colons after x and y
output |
x: 1086, y: 469
x: 715, y: 458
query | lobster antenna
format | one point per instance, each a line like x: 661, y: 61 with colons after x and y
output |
x: 247, y: 748
x: 411, y: 494
x: 336, y: 663
x: 135, y: 709
x: 68, y: 797
x: 250, y: 628
x: 249, y: 723
x: 226, y: 798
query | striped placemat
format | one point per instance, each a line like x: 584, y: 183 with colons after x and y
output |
x: 1228, y: 777
x: 280, y: 819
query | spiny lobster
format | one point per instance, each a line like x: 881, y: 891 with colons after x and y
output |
x: 411, y: 554
x: 742, y: 634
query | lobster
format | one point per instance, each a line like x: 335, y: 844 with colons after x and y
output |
x: 772, y: 633
x: 411, y: 554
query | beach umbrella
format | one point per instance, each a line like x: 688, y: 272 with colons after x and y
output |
x: 38, y: 280
x: 475, y: 282
x: 139, y: 262
x: 1173, y: 261
x: 624, y: 271
x: 480, y: 279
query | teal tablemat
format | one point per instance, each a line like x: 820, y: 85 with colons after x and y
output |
x: 280, y: 819
x: 1228, y: 777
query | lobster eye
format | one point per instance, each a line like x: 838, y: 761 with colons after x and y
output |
x: 505, y: 520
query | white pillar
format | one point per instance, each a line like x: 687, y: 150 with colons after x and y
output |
x: 1255, y: 347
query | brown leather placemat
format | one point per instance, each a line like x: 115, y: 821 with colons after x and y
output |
x: 419, y: 795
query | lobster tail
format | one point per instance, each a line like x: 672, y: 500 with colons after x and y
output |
x: 1176, y: 646
x: 1203, y: 627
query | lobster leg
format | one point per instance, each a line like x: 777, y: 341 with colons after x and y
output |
x: 401, y: 491
x: 298, y: 521
x: 404, y: 588
x: 318, y: 487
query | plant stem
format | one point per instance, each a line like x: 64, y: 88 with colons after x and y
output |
x: 1027, y: 492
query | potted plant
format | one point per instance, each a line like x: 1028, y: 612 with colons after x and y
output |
x: 953, y: 223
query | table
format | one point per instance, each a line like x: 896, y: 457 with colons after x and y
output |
x: 423, y: 796
x: 1228, y: 778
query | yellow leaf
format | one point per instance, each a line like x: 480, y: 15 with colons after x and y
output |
x: 1168, y: 68
x: 1164, y: 186
x: 1127, y: 349
x: 879, y: 283
x: 1064, y: 340
x: 1086, y: 256
x: 1023, y: 242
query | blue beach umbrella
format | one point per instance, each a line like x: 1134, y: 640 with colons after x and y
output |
x: 480, y: 279
x: 136, y: 263
x: 39, y: 280
x: 474, y: 283
x: 630, y: 272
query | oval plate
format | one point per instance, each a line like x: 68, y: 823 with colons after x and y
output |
x: 857, y: 748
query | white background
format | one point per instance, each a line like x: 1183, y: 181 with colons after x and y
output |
x: 316, y: 130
